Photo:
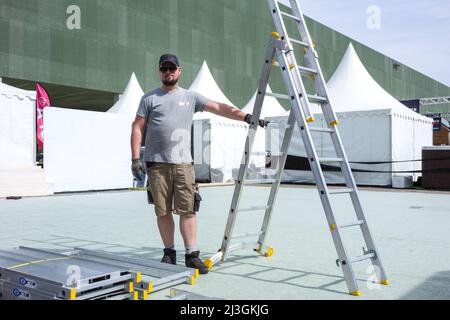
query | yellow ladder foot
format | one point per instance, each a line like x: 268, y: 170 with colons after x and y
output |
x: 269, y: 252
x: 208, y: 263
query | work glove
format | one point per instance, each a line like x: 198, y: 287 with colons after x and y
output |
x: 262, y: 123
x: 138, y: 169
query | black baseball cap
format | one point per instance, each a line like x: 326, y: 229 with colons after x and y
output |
x: 168, y: 57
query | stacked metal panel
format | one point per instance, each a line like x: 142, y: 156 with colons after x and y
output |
x: 32, y: 274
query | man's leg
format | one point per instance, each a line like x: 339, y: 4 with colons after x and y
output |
x: 161, y: 188
x: 166, y: 228
x: 188, y: 228
x: 183, y: 191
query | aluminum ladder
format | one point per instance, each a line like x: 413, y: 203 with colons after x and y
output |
x: 280, y: 53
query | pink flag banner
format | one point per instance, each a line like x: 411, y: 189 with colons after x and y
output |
x: 42, y: 101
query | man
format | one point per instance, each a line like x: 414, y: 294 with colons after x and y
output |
x: 167, y: 112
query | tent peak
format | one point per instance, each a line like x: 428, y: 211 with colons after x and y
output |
x: 352, y: 88
x: 130, y: 98
x: 205, y: 84
x: 350, y: 46
x: 133, y: 79
x: 271, y: 106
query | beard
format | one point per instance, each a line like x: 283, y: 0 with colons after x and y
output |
x: 170, y: 83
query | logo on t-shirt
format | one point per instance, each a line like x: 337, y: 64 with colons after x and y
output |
x: 183, y: 103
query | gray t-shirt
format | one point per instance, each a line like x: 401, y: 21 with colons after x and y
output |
x: 169, y: 120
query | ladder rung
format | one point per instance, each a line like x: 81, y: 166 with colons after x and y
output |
x: 317, y: 129
x: 278, y: 95
x: 351, y: 224
x: 259, y: 153
x: 303, y: 70
x: 317, y: 99
x: 279, y: 125
x: 331, y: 160
x: 307, y: 71
x: 246, y: 235
x: 304, y: 44
x: 253, y: 209
x: 260, y: 181
x: 290, y: 16
x: 241, y: 245
x: 362, y: 258
x: 311, y: 98
x: 339, y: 191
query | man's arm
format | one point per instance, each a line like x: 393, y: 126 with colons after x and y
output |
x: 230, y: 112
x: 137, y: 166
x: 224, y: 110
x: 136, y: 136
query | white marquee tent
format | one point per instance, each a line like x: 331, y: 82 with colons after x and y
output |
x: 87, y: 150
x: 271, y: 107
x: 19, y: 175
x: 83, y: 148
x: 17, y: 126
x: 218, y: 142
x: 374, y: 128
x: 128, y: 102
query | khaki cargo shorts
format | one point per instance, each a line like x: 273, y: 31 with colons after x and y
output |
x: 172, y: 187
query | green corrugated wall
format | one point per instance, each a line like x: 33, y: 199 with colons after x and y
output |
x: 118, y: 37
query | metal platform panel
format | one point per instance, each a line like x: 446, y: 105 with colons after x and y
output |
x: 161, y: 275
x: 35, y: 273
x: 58, y: 267
x: 29, y: 273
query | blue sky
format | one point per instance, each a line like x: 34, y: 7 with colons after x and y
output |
x: 416, y: 33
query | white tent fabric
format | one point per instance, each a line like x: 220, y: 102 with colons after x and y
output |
x: 271, y: 107
x: 205, y: 84
x: 374, y: 127
x: 128, y: 102
x: 17, y: 126
x: 218, y: 142
x: 87, y: 150
x: 352, y: 88
x: 107, y: 137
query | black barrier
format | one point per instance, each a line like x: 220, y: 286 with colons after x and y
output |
x: 302, y: 164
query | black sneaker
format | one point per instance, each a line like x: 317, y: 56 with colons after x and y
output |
x: 193, y: 261
x: 170, y: 256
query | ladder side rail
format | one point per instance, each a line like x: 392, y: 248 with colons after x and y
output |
x: 312, y: 60
x: 281, y: 29
x: 298, y: 81
x: 350, y: 181
x: 318, y: 174
x: 321, y: 88
x: 275, y: 186
x: 248, y: 146
x: 303, y: 30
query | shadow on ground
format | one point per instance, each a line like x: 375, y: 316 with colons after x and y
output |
x: 436, y: 287
x: 294, y: 278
